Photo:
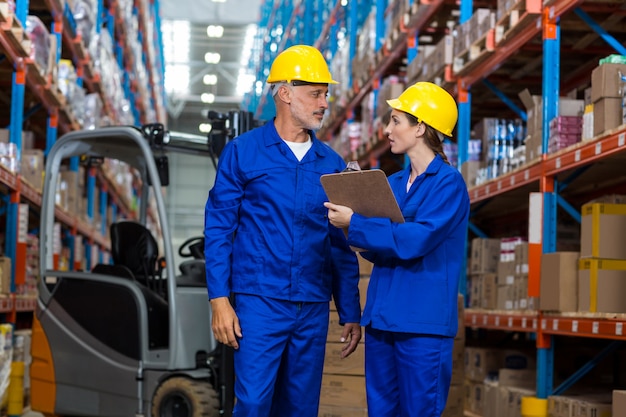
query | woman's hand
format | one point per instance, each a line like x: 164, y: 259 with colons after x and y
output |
x: 339, y: 216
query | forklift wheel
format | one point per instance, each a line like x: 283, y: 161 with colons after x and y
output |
x: 184, y: 397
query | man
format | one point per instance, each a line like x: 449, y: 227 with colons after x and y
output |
x: 269, y: 243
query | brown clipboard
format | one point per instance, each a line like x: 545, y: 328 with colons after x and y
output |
x: 367, y: 193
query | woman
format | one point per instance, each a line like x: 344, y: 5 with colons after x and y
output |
x: 410, y: 316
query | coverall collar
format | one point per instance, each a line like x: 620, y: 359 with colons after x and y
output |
x: 273, y: 138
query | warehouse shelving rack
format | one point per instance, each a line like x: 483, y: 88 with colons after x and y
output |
x: 545, y: 179
x: 32, y: 93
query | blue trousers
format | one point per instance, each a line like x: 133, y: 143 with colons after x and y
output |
x: 406, y: 375
x: 279, y: 363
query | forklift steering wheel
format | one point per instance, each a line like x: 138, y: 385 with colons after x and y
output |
x: 194, y: 246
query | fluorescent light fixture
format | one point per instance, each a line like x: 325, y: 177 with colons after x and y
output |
x: 218, y: 1
x: 212, y: 57
x: 215, y: 31
x: 209, y: 79
x: 205, y: 127
x: 207, y: 98
x: 176, y: 35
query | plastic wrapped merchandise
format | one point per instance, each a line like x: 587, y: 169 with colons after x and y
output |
x: 67, y: 77
x: 85, y: 16
x: 93, y: 111
x: 40, y: 38
x: 77, y: 103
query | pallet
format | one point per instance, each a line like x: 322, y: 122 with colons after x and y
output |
x: 14, y: 33
x: 478, y: 51
x: 516, y: 19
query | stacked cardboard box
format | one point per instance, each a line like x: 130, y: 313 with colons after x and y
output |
x: 343, y: 381
x: 607, y: 97
x: 602, y: 265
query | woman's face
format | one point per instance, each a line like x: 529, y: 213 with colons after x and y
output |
x: 402, y: 134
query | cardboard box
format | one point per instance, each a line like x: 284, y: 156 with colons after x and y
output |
x: 534, y: 111
x: 591, y: 406
x: 365, y: 266
x: 469, y: 171
x: 5, y: 275
x: 605, y: 81
x: 619, y: 403
x: 363, y: 284
x: 337, y: 411
x: 489, y: 291
x: 458, y: 362
x: 335, y: 364
x: 602, y: 285
x: 474, y: 396
x: 520, y: 378
x: 343, y: 390
x: 506, y: 295
x: 607, y: 115
x: 492, y: 409
x: 603, y: 231
x: 559, y: 281
x: 481, y: 363
x: 456, y: 401
x: 485, y: 255
x: 32, y: 168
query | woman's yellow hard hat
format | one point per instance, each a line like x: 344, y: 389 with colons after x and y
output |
x: 430, y: 103
x: 301, y: 63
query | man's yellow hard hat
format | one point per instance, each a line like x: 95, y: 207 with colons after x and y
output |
x: 430, y: 103
x: 300, y: 63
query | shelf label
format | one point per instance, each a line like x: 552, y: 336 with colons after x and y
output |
x: 22, y: 223
x: 487, y: 190
x: 497, y: 320
x: 598, y: 148
x: 510, y: 322
x: 524, y: 322
x: 499, y: 185
x: 526, y: 175
x: 544, y: 324
x: 535, y: 324
x: 621, y: 139
x: 512, y: 180
x: 558, y: 163
x: 618, y: 329
x: 475, y: 194
x: 595, y: 327
x: 577, y: 155
x: 485, y: 320
x: 575, y: 326
x: 555, y: 324
x: 474, y: 319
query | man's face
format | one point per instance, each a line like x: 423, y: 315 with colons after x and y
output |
x: 308, y: 104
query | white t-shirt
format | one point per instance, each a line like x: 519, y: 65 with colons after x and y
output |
x: 299, y: 149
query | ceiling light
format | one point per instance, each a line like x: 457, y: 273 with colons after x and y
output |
x: 212, y: 57
x: 209, y: 79
x: 205, y: 127
x: 218, y: 1
x: 215, y: 31
x: 207, y: 98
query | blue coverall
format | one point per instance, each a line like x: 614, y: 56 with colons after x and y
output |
x: 268, y: 241
x: 410, y: 315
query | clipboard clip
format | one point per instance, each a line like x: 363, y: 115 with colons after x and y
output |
x: 352, y: 166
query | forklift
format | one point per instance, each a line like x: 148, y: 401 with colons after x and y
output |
x: 132, y: 336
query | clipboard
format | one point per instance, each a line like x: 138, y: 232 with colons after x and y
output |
x: 367, y: 193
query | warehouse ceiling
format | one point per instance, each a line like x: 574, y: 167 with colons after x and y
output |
x: 186, y: 111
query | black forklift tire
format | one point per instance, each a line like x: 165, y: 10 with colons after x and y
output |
x: 185, y: 397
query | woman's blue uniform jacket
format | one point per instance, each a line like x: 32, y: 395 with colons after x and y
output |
x: 417, y: 264
x: 266, y: 227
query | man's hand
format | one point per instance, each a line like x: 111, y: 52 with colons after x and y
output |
x: 339, y: 216
x: 225, y: 323
x: 352, y: 335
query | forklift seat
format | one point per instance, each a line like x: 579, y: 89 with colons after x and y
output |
x: 133, y: 246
